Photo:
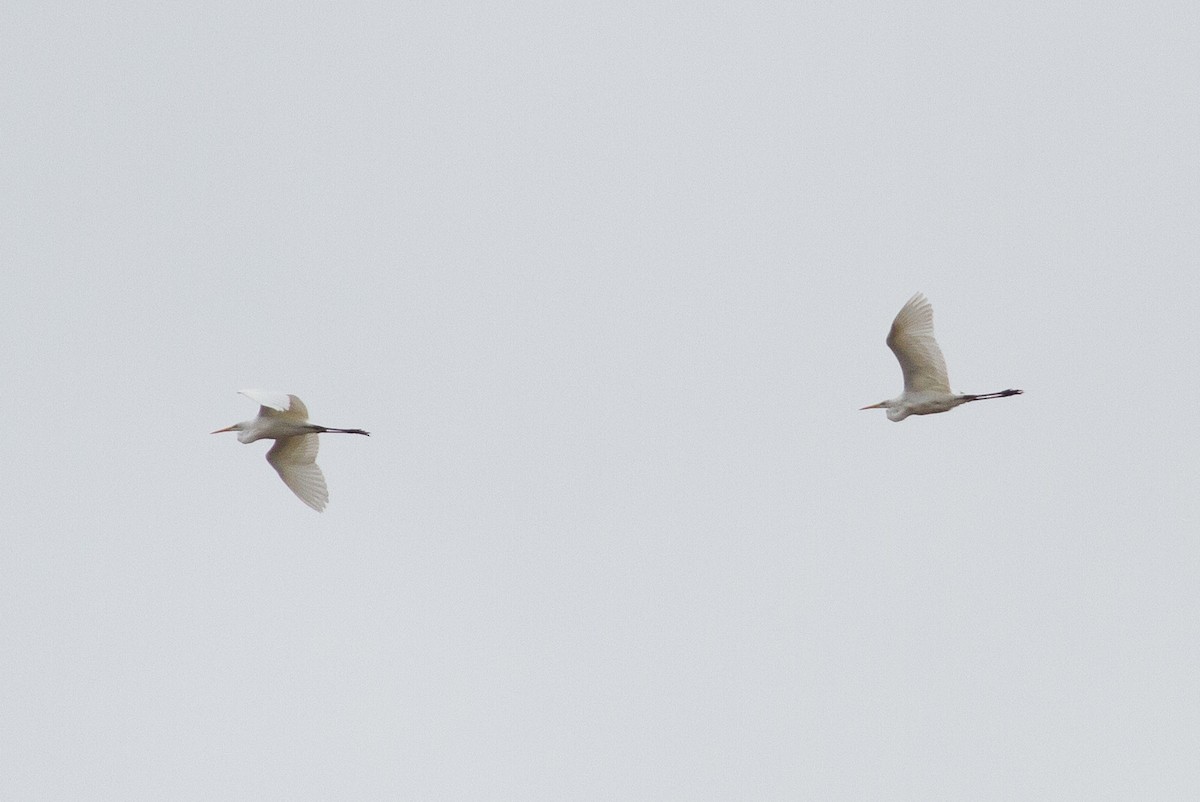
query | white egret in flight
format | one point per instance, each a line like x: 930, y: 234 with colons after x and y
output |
x: 284, y: 419
x: 926, y: 385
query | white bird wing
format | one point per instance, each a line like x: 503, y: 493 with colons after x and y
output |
x: 295, y: 460
x: 911, y: 340
x: 277, y: 404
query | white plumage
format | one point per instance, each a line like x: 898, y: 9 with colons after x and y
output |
x: 926, y: 383
x: 284, y: 419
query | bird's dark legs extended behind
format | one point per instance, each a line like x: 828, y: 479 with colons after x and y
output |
x: 355, y: 431
x: 1001, y: 394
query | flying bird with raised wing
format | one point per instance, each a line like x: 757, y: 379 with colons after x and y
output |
x: 284, y: 419
x: 926, y: 384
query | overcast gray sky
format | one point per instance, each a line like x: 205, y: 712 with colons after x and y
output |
x: 607, y: 283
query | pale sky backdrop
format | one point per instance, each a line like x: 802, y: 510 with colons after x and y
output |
x: 607, y: 283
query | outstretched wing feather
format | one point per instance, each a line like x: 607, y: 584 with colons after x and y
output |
x: 295, y: 460
x: 277, y: 404
x: 911, y: 340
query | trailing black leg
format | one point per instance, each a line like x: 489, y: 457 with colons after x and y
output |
x: 985, y: 396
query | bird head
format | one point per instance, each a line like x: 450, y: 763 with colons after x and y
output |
x: 243, y: 429
x: 897, y: 410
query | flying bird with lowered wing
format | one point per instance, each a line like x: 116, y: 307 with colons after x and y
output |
x: 284, y: 419
x: 926, y: 385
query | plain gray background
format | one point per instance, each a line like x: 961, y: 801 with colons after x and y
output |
x: 607, y: 283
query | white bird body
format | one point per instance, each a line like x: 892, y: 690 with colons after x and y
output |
x: 926, y: 382
x: 284, y: 419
